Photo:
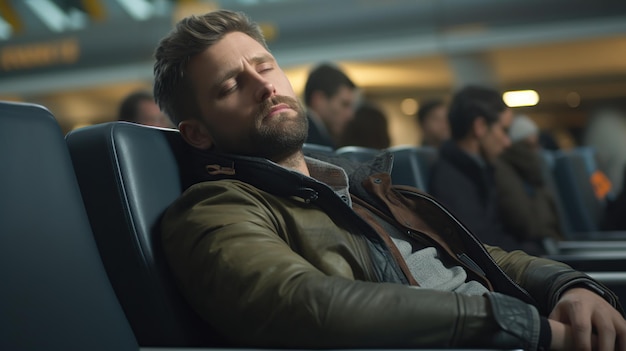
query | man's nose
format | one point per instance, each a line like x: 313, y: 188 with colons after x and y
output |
x: 265, y: 90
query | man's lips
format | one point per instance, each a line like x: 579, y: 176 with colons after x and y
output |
x: 277, y: 109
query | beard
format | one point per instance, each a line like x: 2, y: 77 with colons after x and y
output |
x: 276, y: 137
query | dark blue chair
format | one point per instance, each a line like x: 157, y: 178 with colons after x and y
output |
x: 55, y: 293
x: 572, y: 173
x: 412, y: 165
x: 129, y: 175
x: 358, y: 153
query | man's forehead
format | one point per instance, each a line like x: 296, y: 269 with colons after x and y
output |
x: 234, y: 44
x: 227, y: 53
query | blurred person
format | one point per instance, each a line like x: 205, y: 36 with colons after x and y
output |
x: 547, y: 141
x: 526, y: 204
x: 275, y: 249
x: 606, y: 134
x: 463, y: 175
x: 432, y: 117
x: 139, y: 107
x: 369, y: 128
x: 330, y: 97
x: 615, y: 211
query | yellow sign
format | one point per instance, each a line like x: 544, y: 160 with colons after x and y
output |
x: 29, y: 56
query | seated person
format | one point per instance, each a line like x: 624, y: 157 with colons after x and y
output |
x: 614, y: 218
x: 463, y: 176
x: 432, y: 118
x: 139, y: 107
x: 369, y: 128
x: 526, y: 203
x: 275, y: 249
x: 330, y: 97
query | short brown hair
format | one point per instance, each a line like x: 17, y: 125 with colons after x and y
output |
x: 191, y: 36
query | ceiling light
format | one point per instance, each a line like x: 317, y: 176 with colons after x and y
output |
x: 573, y: 99
x: 518, y: 98
x: 409, y: 106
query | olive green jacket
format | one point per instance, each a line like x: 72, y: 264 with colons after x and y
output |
x: 271, y: 258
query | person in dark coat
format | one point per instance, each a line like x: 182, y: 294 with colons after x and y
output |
x: 369, y: 128
x: 463, y: 176
x: 331, y: 98
x: 526, y: 204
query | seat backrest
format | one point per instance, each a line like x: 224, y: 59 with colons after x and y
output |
x: 358, y: 153
x: 54, y: 294
x: 129, y: 175
x: 308, y: 148
x: 547, y: 170
x: 412, y: 164
x: 573, y: 171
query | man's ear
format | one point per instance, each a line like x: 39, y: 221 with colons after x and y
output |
x: 195, y: 134
x: 479, y: 127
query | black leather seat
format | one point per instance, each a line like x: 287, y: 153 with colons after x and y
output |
x: 128, y: 175
x: 54, y: 294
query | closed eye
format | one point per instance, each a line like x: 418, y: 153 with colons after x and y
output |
x: 228, y: 87
x: 265, y: 67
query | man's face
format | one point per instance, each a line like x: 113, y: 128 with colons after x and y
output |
x: 496, y: 138
x: 337, y: 110
x: 436, y: 128
x: 246, y: 102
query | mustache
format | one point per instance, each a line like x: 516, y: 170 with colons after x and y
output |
x: 266, y: 106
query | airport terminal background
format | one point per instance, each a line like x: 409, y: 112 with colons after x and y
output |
x: 80, y: 58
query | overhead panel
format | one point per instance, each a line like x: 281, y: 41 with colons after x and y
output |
x: 48, y: 36
x: 45, y: 40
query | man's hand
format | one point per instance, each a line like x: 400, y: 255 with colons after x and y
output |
x: 582, y: 320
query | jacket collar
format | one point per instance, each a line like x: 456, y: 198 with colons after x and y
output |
x: 269, y: 176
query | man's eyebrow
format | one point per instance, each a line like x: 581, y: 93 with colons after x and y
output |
x: 260, y: 58
x: 256, y: 59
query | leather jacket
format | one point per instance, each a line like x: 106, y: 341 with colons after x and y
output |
x: 272, y: 258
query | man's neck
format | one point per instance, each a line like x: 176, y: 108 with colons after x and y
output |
x: 295, y: 162
x: 470, y: 146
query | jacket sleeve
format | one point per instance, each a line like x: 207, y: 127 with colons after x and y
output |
x: 248, y: 282
x: 545, y: 279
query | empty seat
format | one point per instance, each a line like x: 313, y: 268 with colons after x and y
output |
x: 573, y: 172
x: 577, y: 241
x: 128, y: 175
x: 55, y: 294
x: 547, y: 170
